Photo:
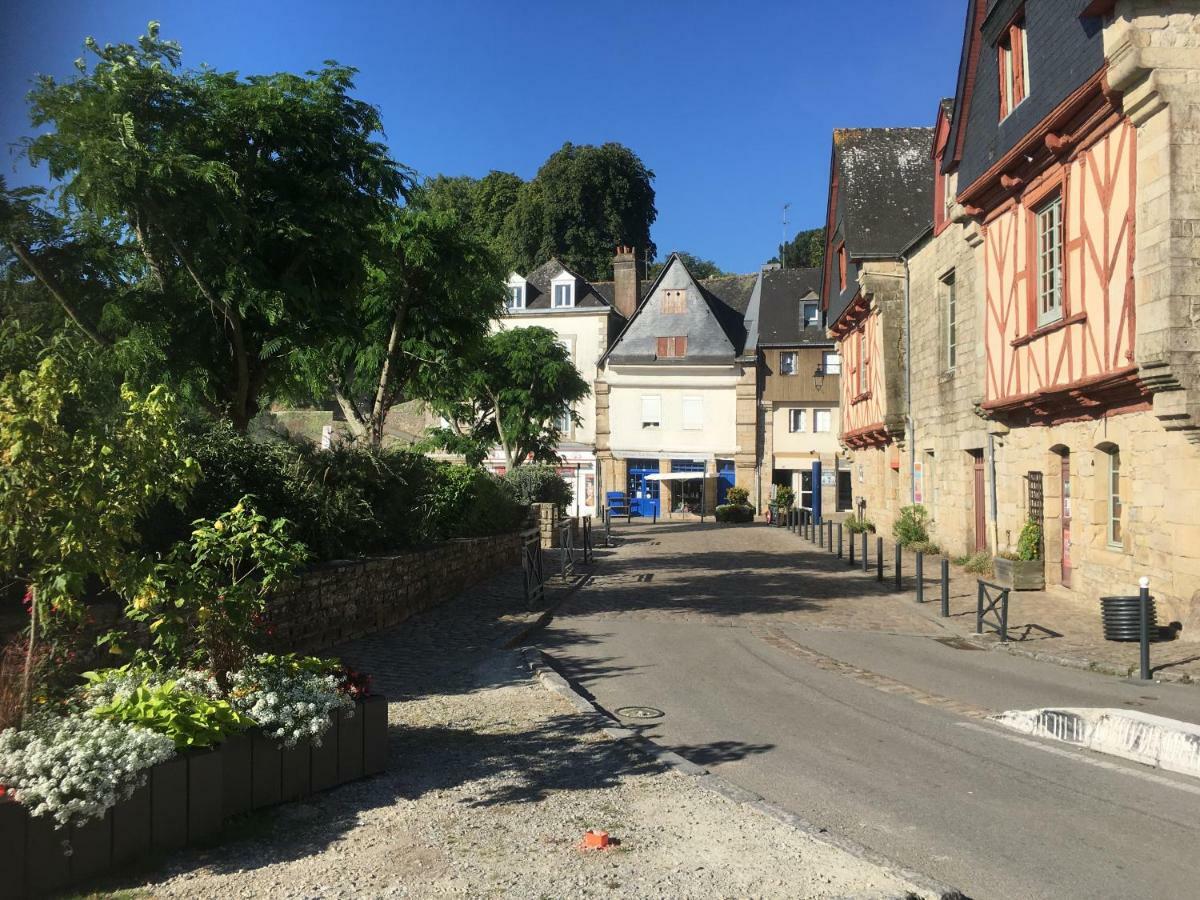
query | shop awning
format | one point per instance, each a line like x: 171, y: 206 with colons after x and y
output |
x: 677, y: 476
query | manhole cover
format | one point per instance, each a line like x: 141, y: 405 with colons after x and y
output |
x: 639, y: 712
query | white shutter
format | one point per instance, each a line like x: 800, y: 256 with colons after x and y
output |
x: 822, y: 420
x: 693, y: 413
x: 651, y: 410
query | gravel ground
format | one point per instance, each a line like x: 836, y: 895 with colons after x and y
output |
x: 490, y: 789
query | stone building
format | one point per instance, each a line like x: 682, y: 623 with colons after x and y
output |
x: 800, y: 375
x: 1052, y: 302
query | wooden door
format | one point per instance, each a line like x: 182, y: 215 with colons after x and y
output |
x: 980, y: 501
x: 1066, y: 519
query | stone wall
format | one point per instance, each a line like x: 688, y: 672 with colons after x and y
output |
x: 346, y: 600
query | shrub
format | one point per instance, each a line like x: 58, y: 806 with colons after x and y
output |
x: 911, y: 527
x: 735, y: 512
x: 188, y: 718
x: 977, y: 563
x: 858, y: 526
x: 539, y: 484
x: 784, y: 496
x: 1029, y: 544
x: 289, y: 697
x: 929, y: 548
x: 737, y: 496
x: 74, y: 768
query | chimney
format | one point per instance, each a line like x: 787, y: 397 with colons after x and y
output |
x: 626, y: 287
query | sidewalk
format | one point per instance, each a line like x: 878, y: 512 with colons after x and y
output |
x: 1052, y: 625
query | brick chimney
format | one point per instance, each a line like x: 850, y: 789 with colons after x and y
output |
x: 626, y: 285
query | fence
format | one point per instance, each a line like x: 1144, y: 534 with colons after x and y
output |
x: 566, y: 547
x: 992, y: 599
x: 531, y: 568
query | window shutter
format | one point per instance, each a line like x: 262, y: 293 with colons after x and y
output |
x: 651, y: 409
x: 693, y: 412
x: 662, y: 352
x: 681, y: 346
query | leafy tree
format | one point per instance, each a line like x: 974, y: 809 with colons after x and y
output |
x: 244, y: 206
x: 511, y: 394
x: 805, y: 250
x: 482, y: 205
x: 81, y: 461
x: 428, y: 299
x: 700, y: 268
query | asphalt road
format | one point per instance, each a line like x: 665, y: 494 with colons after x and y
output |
x: 880, y: 737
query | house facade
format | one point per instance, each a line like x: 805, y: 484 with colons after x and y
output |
x: 800, y: 381
x: 1052, y: 367
x: 584, y: 318
x: 676, y: 395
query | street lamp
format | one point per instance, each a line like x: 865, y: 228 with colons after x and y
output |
x: 819, y: 377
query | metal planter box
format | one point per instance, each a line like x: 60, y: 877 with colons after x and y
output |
x: 1020, y: 574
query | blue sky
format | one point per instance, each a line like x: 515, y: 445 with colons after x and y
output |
x: 731, y: 104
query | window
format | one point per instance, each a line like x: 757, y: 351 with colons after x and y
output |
x: 797, y: 420
x: 1012, y: 59
x: 787, y: 362
x: 1048, y: 230
x: 693, y: 413
x: 672, y: 347
x: 841, y: 261
x: 651, y: 410
x: 674, y: 302
x: 831, y: 363
x: 1114, y: 498
x: 564, y: 422
x: 822, y: 420
x: 862, y: 377
x: 564, y: 295
x: 811, y: 314
x: 516, y: 296
x: 951, y: 313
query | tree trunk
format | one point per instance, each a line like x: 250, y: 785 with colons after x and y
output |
x: 51, y: 283
x: 27, y: 675
x: 380, y: 408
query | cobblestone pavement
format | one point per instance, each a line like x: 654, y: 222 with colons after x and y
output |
x: 754, y: 576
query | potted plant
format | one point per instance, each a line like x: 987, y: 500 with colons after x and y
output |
x: 1023, y: 570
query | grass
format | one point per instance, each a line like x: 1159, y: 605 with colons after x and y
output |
x: 978, y: 563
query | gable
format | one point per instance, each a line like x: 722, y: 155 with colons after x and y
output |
x: 707, y: 340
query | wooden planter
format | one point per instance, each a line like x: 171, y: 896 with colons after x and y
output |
x: 187, y: 799
x: 1020, y: 574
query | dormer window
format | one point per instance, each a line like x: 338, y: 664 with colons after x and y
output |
x: 810, y: 314
x: 562, y: 291
x: 516, y: 292
x: 1012, y: 58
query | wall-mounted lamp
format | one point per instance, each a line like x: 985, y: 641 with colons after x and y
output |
x: 819, y: 377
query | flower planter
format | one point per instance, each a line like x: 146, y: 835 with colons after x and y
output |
x: 13, y: 828
x: 131, y: 826
x: 205, y: 794
x: 237, y: 768
x: 1020, y: 574
x: 323, y: 761
x: 91, y: 847
x: 350, y: 744
x: 374, y: 713
x: 168, y: 804
x: 267, y: 788
x: 296, y: 771
x: 47, y: 862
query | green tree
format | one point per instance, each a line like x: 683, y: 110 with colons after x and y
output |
x: 512, y: 394
x: 805, y: 250
x: 245, y: 205
x: 81, y: 461
x: 700, y: 268
x: 427, y: 301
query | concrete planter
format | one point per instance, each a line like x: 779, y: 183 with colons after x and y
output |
x: 186, y: 800
x: 1020, y: 574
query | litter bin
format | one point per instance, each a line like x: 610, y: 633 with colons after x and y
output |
x: 1122, y: 618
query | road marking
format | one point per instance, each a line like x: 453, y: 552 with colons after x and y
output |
x: 866, y: 677
x: 1080, y: 757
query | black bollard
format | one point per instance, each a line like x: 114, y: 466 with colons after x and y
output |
x: 839, y: 524
x: 879, y: 559
x: 865, y: 564
x: 899, y: 557
x: 920, y: 577
x: 945, y: 588
x: 852, y: 548
x: 1144, y: 606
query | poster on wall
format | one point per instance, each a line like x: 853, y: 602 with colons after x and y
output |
x: 828, y: 479
x: 918, y: 483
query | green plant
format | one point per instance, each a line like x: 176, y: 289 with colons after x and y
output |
x: 977, y: 563
x: 737, y: 496
x: 859, y: 526
x: 289, y: 697
x: 539, y: 484
x: 784, y: 496
x: 912, y: 525
x: 1029, y: 544
x: 735, y: 512
x: 189, y: 718
x: 929, y: 548
x: 204, y: 602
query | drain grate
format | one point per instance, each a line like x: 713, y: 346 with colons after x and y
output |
x: 957, y: 643
x: 640, y: 712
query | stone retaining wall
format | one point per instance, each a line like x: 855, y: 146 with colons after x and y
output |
x: 346, y: 600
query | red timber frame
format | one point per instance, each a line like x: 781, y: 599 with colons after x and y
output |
x: 857, y: 333
x: 1080, y: 366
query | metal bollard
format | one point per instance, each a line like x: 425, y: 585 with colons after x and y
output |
x: 945, y: 588
x: 829, y: 536
x: 920, y: 577
x: 851, y: 548
x: 879, y: 559
x: 814, y: 533
x: 1144, y: 606
x: 864, y: 551
x: 839, y: 524
x: 899, y: 558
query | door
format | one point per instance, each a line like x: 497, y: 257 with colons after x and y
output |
x: 643, y: 494
x: 1066, y: 519
x: 980, y: 507
x: 845, y: 490
x: 816, y: 500
x: 725, y: 478
x: 806, y: 489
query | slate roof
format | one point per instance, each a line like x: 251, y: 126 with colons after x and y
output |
x: 728, y: 297
x: 537, y: 292
x: 780, y: 307
x: 886, y: 186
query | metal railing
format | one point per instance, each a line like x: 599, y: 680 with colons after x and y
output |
x: 992, y: 599
x: 566, y: 547
x: 531, y: 568
x: 586, y: 529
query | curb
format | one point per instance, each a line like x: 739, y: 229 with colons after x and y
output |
x: 543, y: 668
x: 521, y: 633
x: 1091, y: 665
x: 1167, y: 744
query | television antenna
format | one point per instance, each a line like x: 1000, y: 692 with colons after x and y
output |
x: 783, y: 236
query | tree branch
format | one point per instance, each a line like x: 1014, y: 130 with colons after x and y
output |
x: 26, y: 256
